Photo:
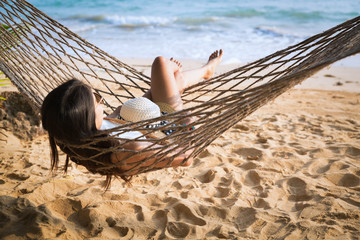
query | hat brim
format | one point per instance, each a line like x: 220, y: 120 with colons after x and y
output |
x: 164, y: 107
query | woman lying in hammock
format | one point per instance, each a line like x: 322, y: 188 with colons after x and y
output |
x: 72, y: 113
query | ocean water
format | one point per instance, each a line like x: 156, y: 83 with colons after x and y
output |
x: 246, y: 29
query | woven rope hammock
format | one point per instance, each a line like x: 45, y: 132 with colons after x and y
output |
x: 38, y: 54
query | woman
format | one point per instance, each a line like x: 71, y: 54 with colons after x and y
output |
x: 71, y: 113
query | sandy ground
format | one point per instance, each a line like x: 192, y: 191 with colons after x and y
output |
x: 291, y: 170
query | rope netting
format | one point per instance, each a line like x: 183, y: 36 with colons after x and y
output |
x: 37, y: 53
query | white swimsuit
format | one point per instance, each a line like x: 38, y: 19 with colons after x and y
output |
x: 106, y: 124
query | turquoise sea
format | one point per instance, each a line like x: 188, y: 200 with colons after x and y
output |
x: 245, y: 29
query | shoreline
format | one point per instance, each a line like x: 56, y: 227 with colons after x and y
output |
x: 335, y: 77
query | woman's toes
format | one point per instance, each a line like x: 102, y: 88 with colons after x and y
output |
x: 214, y: 61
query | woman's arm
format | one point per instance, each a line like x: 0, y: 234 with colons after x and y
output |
x: 115, y: 113
x: 133, y: 164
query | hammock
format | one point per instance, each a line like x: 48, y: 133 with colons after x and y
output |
x: 38, y: 53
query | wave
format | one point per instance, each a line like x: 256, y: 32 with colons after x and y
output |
x: 232, y: 17
x: 137, y: 20
x: 299, y: 15
x: 245, y: 13
x: 124, y: 20
x: 134, y: 22
x: 289, y: 14
x: 197, y: 21
x: 273, y: 31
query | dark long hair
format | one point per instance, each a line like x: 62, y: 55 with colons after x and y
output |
x: 68, y: 114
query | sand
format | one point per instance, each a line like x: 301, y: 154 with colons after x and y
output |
x: 291, y: 170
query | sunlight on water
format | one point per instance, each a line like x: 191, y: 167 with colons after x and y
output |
x: 246, y: 30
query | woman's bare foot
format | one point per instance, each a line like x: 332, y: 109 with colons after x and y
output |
x: 214, y: 61
x: 178, y: 74
x: 179, y: 65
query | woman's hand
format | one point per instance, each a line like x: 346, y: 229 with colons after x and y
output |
x: 115, y: 113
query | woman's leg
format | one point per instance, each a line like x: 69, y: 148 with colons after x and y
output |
x: 188, y: 78
x: 163, y: 84
x: 168, y: 80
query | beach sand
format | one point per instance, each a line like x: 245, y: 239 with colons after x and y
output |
x: 291, y: 170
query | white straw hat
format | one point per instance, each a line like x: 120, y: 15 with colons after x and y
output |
x: 138, y: 109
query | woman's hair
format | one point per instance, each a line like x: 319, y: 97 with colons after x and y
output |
x: 68, y: 114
